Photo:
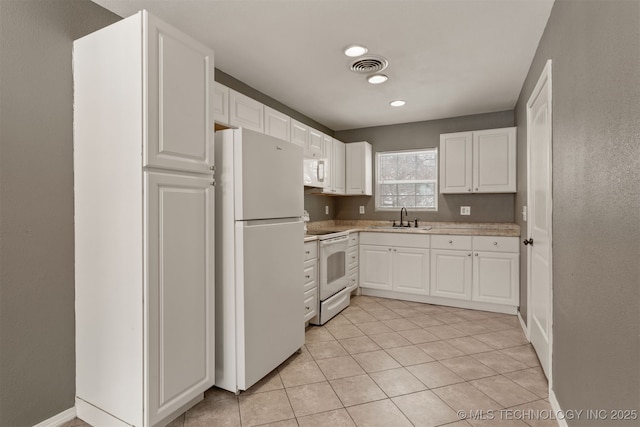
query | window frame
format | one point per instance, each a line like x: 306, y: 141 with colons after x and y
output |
x: 377, y: 183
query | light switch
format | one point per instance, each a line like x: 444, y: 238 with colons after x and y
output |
x: 361, y: 209
x: 326, y: 210
x: 465, y: 210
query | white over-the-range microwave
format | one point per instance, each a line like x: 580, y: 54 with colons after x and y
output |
x: 314, y: 172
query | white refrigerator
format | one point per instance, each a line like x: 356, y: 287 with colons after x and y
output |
x: 259, y: 255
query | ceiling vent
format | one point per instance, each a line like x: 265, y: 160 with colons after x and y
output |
x: 369, y: 64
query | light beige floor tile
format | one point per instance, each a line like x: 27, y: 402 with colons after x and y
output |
x: 375, y: 361
x: 344, y: 331
x: 472, y: 314
x: 425, y: 409
x: 338, y: 320
x: 494, y: 325
x: 468, y: 367
x: 313, y: 398
x: 418, y: 336
x: 504, y: 391
x: 399, y: 324
x: 340, y: 367
x: 359, y: 345
x: 538, y: 413
x: 296, y: 374
x: 440, y: 350
x: 469, y: 345
x: 407, y: 312
x: 431, y: 309
x: 262, y: 408
x: 461, y: 423
x: 373, y: 328
x: 359, y: 317
x: 384, y: 314
x: 177, y: 422
x: 434, y: 374
x: 223, y: 412
x: 466, y: 397
x: 302, y: 356
x: 497, y: 419
x: 269, y: 383
x: 77, y: 422
x: 524, y: 354
x: 445, y: 332
x: 215, y: 393
x: 409, y: 355
x: 357, y: 390
x: 499, y: 362
x: 394, y: 303
x: 471, y: 328
x: 396, y: 382
x: 335, y: 418
x: 317, y: 334
x: 286, y: 423
x: 532, y: 379
x: 449, y: 318
x: 382, y: 413
x: 325, y: 350
x: 424, y: 321
x: 390, y: 339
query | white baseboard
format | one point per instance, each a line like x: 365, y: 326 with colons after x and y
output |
x: 58, y: 420
x: 555, y: 406
x: 523, y: 325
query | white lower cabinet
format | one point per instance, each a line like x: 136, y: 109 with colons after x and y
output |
x: 310, y: 280
x: 451, y: 274
x: 394, y: 262
x: 353, y: 261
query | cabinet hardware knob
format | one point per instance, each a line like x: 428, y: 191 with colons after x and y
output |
x: 450, y: 242
x: 476, y: 254
x: 528, y: 242
x: 213, y: 168
x: 468, y: 189
x: 307, y: 276
x: 395, y: 250
x: 476, y: 189
x: 307, y: 307
x: 307, y: 252
x: 213, y: 183
x: 495, y: 243
x: 389, y: 249
x: 468, y: 254
x: 353, y: 257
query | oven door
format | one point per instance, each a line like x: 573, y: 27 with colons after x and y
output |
x: 333, y: 266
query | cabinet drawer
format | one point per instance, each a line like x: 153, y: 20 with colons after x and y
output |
x: 451, y: 242
x: 353, y: 239
x: 310, y: 250
x: 496, y: 244
x: 310, y: 274
x: 353, y: 280
x: 352, y: 257
x: 310, y: 304
x: 396, y: 239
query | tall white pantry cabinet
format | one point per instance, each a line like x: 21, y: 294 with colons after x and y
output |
x: 144, y: 205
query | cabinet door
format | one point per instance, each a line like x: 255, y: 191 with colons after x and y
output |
x: 456, y: 162
x: 358, y: 168
x: 411, y: 270
x: 494, y: 161
x: 180, y: 290
x: 496, y: 277
x: 245, y: 112
x: 220, y: 103
x: 299, y: 134
x: 277, y: 124
x: 338, y: 167
x: 179, y: 101
x: 314, y: 144
x: 375, y: 267
x: 327, y: 154
x: 451, y: 274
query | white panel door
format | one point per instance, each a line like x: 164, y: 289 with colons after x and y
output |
x: 327, y: 154
x: 314, y: 143
x: 220, y: 103
x: 179, y: 98
x: 338, y: 167
x: 456, y: 162
x: 180, y: 290
x: 411, y: 270
x: 299, y: 134
x: 496, y: 277
x: 277, y: 124
x: 494, y: 161
x: 451, y: 274
x: 245, y: 112
x: 376, y: 263
x: 540, y: 295
x: 354, y: 170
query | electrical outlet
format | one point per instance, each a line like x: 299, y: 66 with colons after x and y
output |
x: 326, y: 210
x: 465, y: 210
x: 361, y: 209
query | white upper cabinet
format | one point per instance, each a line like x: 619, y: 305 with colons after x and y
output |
x: 327, y: 152
x: 277, y: 124
x: 314, y: 144
x: 220, y: 103
x: 359, y: 168
x: 179, y: 100
x: 336, y: 170
x: 299, y: 133
x: 245, y: 112
x: 478, y: 162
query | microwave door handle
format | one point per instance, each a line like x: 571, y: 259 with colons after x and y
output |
x: 320, y: 171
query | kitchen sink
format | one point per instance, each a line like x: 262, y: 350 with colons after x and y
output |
x: 391, y: 227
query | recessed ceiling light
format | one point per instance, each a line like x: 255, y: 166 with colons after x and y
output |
x: 376, y: 79
x: 355, y: 50
x: 398, y: 103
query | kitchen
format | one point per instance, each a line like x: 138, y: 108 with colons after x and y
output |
x: 567, y: 189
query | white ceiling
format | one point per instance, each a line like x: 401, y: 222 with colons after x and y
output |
x: 447, y: 58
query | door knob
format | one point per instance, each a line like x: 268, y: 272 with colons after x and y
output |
x: 528, y: 242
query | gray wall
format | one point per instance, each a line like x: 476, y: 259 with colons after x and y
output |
x: 37, y: 353
x: 484, y: 207
x: 595, y: 48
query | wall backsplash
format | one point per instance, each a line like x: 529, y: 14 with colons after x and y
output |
x: 315, y: 205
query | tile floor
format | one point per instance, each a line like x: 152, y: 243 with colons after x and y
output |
x: 389, y: 363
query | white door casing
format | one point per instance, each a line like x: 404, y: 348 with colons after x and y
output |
x: 539, y: 225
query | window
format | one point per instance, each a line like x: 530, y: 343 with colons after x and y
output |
x: 407, y: 178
